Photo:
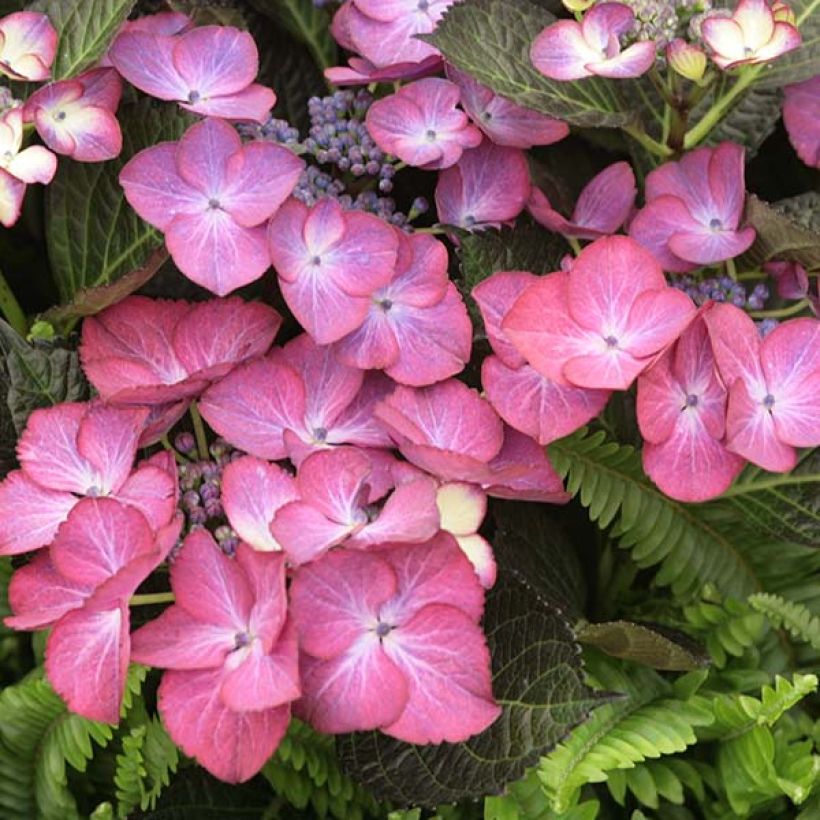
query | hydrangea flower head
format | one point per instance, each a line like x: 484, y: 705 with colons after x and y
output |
x: 76, y: 117
x: 19, y: 168
x: 330, y: 262
x: 208, y: 70
x: 752, y: 34
x: 151, y: 351
x: 504, y: 122
x: 600, y: 325
x: 391, y: 641
x: 211, y: 195
x: 801, y: 116
x: 28, y: 45
x: 603, y: 205
x: 694, y: 208
x: 569, y: 50
x: 774, y: 385
x: 682, y: 416
x: 231, y: 656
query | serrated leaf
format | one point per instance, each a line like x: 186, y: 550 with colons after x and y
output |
x: 94, y: 236
x: 749, y: 122
x: 778, y: 236
x: 38, y: 376
x: 491, y: 40
x: 537, y: 680
x: 803, y: 62
x: 86, y: 29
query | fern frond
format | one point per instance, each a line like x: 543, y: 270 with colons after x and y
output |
x: 795, y: 618
x: 728, y: 628
x: 656, y: 780
x: 692, y: 545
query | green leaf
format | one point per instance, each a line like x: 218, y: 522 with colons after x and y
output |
x: 491, y: 41
x: 803, y: 209
x: 794, y: 617
x: 803, y: 62
x: 94, y: 236
x: 728, y: 628
x: 749, y: 122
x: 86, y: 29
x: 537, y: 680
x: 38, y: 376
x: 778, y: 236
x: 648, y: 644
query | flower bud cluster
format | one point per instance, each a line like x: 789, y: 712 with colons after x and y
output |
x: 664, y: 20
x: 726, y: 289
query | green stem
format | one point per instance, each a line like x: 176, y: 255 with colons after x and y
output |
x: 199, y: 431
x: 781, y: 313
x: 751, y: 274
x: 150, y: 598
x: 574, y: 244
x: 180, y: 459
x: 768, y: 483
x: 11, y: 309
x: 731, y: 270
x: 434, y: 230
x: 652, y: 145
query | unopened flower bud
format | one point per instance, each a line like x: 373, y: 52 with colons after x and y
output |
x: 577, y: 5
x: 687, y: 60
x: 783, y: 14
x: 185, y: 443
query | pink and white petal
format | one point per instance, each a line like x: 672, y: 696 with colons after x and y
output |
x: 607, y: 199
x: 304, y: 533
x: 88, y: 134
x: 102, y: 87
x: 656, y: 319
x: 785, y: 38
x: 38, y: 513
x: 215, y: 252
x: 146, y: 61
x: 725, y: 37
x: 216, y: 60
x: 654, y: 224
x: 232, y: 746
x: 178, y: 640
x: 605, y: 19
x: 12, y: 192
x: 162, y: 418
x: 726, y: 182
x: 661, y: 400
x: 357, y: 424
x: 334, y: 601
x: 705, y: 247
x: 756, y: 22
x: 631, y: 62
x: 736, y: 345
x: 253, y: 104
x: 153, y: 492
x: 480, y: 554
x: 543, y: 213
x: 604, y: 369
x: 462, y: 507
x: 373, y: 345
x: 801, y: 116
x: 421, y: 271
x: 34, y: 164
x: 388, y: 43
x: 86, y: 661
x: 444, y: 657
x: 332, y: 481
x: 560, y: 52
x: 29, y: 45
x: 252, y: 491
x: 203, y: 154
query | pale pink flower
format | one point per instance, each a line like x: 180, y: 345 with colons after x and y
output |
x: 28, y: 45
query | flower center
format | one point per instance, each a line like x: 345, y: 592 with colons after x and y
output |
x: 213, y: 204
x: 715, y: 225
x: 59, y: 115
x: 385, y: 304
x: 424, y: 5
x: 611, y: 342
x: 320, y: 434
x: 316, y: 261
x: 193, y: 97
x: 768, y: 401
x: 691, y: 400
x: 383, y: 629
x: 7, y: 157
x: 431, y: 135
x: 241, y: 639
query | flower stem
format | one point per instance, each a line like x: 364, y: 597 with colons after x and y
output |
x: 434, y: 230
x: 180, y: 459
x: 574, y: 244
x: 731, y: 270
x: 11, y: 309
x: 199, y: 431
x: 781, y: 313
x: 652, y: 145
x: 150, y: 598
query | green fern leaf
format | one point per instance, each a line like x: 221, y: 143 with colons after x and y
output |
x: 728, y: 628
x: 794, y: 617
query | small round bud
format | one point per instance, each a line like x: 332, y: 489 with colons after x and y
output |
x: 185, y: 443
x: 687, y: 60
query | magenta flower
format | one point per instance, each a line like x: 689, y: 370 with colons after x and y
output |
x: 71, y: 451
x: 526, y: 400
x: 231, y: 655
x: 28, y: 45
x: 391, y: 641
x: 801, y: 116
x: 209, y: 70
x: 682, y: 416
x: 504, y: 122
x: 751, y: 35
x: 330, y: 262
x: 334, y: 508
x: 299, y: 399
x: 489, y: 185
x: 362, y: 72
x: 791, y: 279
x: 19, y: 168
x: 774, y: 386
x: 601, y: 325
x: 76, y: 117
x: 166, y: 23
x: 151, y: 351
x: 211, y: 196
x: 568, y: 50
x: 417, y: 328
x: 421, y: 125
x: 693, y: 209
x: 604, y: 205
x: 80, y: 589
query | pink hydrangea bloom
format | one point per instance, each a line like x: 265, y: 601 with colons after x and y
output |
x: 297, y: 400
x: 417, y: 329
x: 693, y: 209
x: 333, y: 508
x: 166, y: 23
x: 28, y: 45
x: 152, y: 351
x: 71, y: 451
x: 774, y: 386
x: 330, y: 262
x: 682, y: 417
x: 19, y: 167
x: 525, y: 399
x: 487, y: 186
x: 602, y: 324
x: 80, y: 589
x: 568, y: 50
x: 750, y: 35
x: 231, y: 655
x: 801, y: 116
x: 421, y: 125
x: 209, y: 70
x: 504, y: 122
x: 603, y: 206
x: 76, y: 117
x: 211, y: 195
x: 391, y: 641
x: 362, y: 72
